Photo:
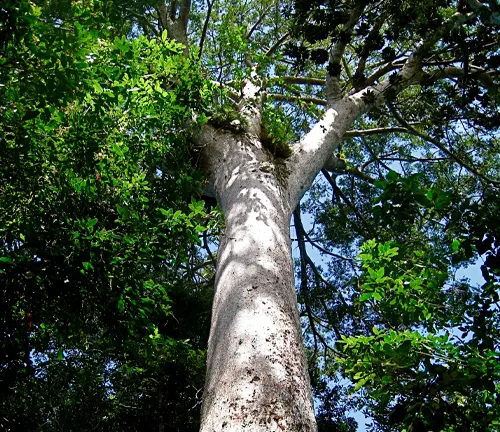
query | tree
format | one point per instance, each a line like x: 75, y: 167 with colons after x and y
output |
x: 374, y: 70
x: 99, y: 224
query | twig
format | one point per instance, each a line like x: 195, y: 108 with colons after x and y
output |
x: 280, y: 41
x: 344, y: 198
x: 205, y: 27
x: 441, y: 147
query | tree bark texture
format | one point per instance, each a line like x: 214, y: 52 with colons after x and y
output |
x: 257, y: 376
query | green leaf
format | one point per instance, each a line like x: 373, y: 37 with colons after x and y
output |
x: 88, y: 265
x: 97, y: 87
x: 360, y: 384
x: 392, y: 175
x: 366, y: 296
x: 121, y: 305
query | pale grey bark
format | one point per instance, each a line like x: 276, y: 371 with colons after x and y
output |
x: 257, y: 376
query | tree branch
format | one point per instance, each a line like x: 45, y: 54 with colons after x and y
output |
x: 344, y: 198
x: 410, y: 71
x: 176, y: 26
x: 205, y: 27
x: 483, y: 77
x: 304, y: 261
x: 303, y: 272
x: 313, y: 150
x: 376, y: 131
x: 441, y: 147
x: 278, y: 43
x: 257, y: 24
x: 290, y: 98
x: 333, y: 90
x: 303, y: 80
x: 360, y: 70
x: 358, y: 174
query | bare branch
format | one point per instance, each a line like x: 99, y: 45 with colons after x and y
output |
x: 303, y: 273
x: 303, y: 80
x: 146, y: 25
x: 207, y: 248
x: 304, y: 261
x: 442, y: 147
x: 344, y: 198
x: 376, y: 131
x: 290, y: 98
x: 278, y: 43
x: 358, y: 174
x: 325, y: 251
x: 205, y: 27
x: 333, y: 91
x: 257, y: 24
x: 376, y: 158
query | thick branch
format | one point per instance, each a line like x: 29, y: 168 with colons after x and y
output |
x: 250, y: 105
x: 333, y: 90
x: 176, y: 26
x: 314, y: 149
x: 184, y: 13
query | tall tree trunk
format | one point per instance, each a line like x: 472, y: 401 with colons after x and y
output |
x: 257, y: 375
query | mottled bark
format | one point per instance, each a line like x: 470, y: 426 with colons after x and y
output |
x: 256, y: 373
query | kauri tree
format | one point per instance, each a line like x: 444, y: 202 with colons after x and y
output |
x: 111, y: 112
